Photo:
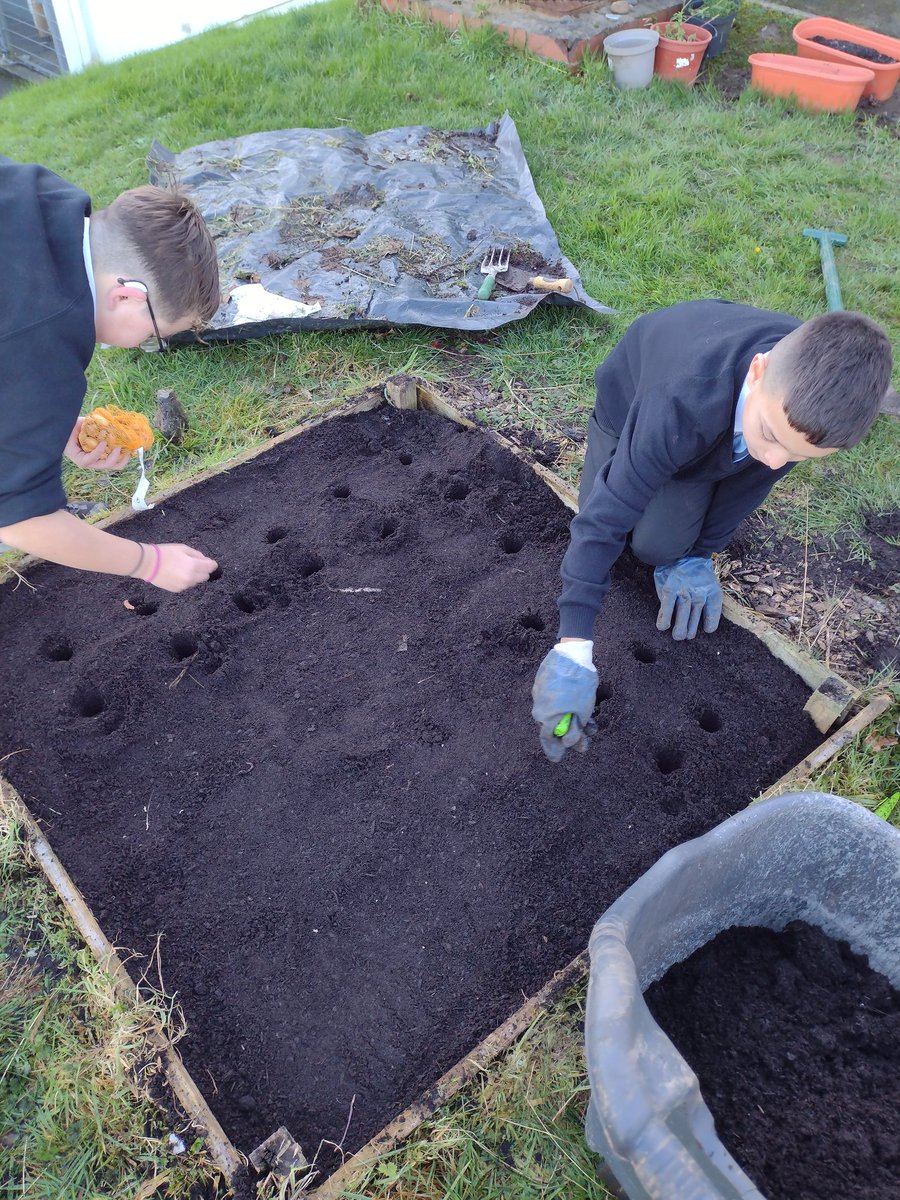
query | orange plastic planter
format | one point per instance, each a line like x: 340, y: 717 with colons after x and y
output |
x: 830, y: 87
x: 885, y: 75
x: 680, y: 60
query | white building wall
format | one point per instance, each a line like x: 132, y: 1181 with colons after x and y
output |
x: 105, y: 30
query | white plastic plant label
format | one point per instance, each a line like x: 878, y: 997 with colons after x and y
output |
x: 139, y: 499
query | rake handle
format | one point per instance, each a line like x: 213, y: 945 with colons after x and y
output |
x: 827, y: 238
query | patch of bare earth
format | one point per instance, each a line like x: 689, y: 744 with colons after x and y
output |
x: 843, y: 608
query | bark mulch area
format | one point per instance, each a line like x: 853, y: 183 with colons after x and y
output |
x: 317, y: 777
x: 796, y: 1043
x: 830, y: 601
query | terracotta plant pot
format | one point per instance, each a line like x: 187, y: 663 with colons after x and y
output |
x: 885, y: 75
x: 680, y: 60
x: 827, y: 86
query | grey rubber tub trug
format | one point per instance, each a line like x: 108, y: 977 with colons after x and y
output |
x: 808, y: 856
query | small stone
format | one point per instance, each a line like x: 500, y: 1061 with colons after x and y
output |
x: 620, y: 6
x: 170, y: 418
x: 246, y: 1103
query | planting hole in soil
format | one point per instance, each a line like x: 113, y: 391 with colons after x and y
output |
x: 532, y: 621
x: 511, y: 543
x: 796, y: 1043
x: 141, y: 605
x: 183, y: 645
x: 56, y: 649
x: 337, y: 815
x: 643, y: 653
x: 88, y: 702
x: 669, y: 759
x: 709, y: 720
x: 458, y: 490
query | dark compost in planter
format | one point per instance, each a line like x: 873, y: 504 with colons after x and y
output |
x: 318, y: 778
x: 796, y: 1043
x: 854, y: 48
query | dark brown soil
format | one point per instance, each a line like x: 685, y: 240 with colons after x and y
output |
x: 796, y: 1043
x: 856, y: 50
x: 318, y: 778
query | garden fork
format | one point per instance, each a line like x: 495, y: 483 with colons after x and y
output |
x: 493, y: 264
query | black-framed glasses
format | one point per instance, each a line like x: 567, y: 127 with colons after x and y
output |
x: 142, y: 287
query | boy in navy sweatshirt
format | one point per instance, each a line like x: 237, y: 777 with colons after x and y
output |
x: 145, y: 267
x: 700, y: 408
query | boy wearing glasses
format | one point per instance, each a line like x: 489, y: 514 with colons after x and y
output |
x: 145, y: 267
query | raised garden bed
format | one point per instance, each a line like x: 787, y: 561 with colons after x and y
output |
x: 315, y: 785
x: 796, y: 1042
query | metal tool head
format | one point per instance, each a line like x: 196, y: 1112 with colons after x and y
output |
x: 826, y: 235
x: 495, y: 261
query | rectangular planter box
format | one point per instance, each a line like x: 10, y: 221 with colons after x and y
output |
x: 830, y: 698
x: 886, y: 74
x: 824, y: 86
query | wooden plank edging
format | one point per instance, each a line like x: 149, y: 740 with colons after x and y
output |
x: 223, y: 1153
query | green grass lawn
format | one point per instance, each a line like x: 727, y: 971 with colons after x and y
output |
x: 657, y: 196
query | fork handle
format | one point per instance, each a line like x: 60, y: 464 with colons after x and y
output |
x: 484, y: 292
x: 540, y: 284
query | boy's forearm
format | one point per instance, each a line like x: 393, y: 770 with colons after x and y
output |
x: 61, y: 538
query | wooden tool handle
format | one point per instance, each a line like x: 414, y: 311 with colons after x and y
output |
x: 540, y: 284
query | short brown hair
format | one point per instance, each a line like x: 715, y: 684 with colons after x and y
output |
x: 161, y: 238
x: 832, y: 373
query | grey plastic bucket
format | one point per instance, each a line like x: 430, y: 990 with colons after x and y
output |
x: 808, y: 856
x: 631, y: 53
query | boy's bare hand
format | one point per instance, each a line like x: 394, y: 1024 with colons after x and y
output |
x: 180, y: 567
x: 93, y: 460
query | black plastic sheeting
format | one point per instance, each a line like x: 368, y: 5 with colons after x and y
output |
x: 330, y: 229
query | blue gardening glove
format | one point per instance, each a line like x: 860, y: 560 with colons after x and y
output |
x: 563, y: 686
x: 689, y: 589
